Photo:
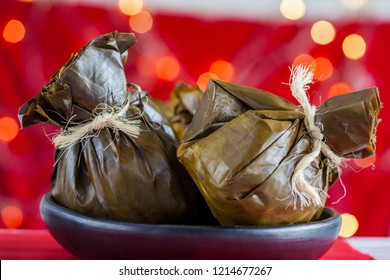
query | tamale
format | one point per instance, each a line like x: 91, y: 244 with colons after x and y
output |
x: 244, y: 145
x: 109, y: 172
x: 181, y: 106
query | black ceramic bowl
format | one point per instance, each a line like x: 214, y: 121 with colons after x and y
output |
x: 93, y: 238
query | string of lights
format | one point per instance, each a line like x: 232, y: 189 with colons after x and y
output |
x: 183, y: 42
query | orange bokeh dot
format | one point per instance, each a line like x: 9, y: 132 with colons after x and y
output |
x: 130, y: 7
x: 204, y: 79
x: 223, y: 69
x: 349, y: 225
x: 8, y: 129
x: 339, y: 88
x: 323, y: 69
x: 141, y: 22
x: 167, y: 68
x: 12, y: 216
x: 322, y: 32
x: 14, y: 31
x: 305, y: 59
x: 354, y: 46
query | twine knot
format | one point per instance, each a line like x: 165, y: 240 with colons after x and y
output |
x: 101, y: 121
x: 104, y: 115
x: 316, y: 133
x: 309, y: 195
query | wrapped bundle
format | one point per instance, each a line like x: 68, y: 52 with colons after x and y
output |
x: 116, y: 155
x: 179, y: 110
x: 261, y: 160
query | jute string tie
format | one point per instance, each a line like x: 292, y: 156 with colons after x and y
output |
x: 104, y: 115
x: 301, y: 189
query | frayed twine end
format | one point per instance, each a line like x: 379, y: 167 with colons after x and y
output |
x: 301, y: 190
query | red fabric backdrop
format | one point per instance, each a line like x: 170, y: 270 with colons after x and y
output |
x: 260, y: 53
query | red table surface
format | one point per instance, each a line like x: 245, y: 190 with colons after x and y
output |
x: 40, y: 245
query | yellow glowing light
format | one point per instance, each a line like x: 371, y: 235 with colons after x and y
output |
x: 141, y: 22
x: 305, y: 59
x: 293, y: 9
x: 323, y: 69
x: 353, y: 4
x: 354, y: 46
x: 223, y: 69
x: 323, y: 32
x: 339, y: 88
x: 130, y: 7
x: 14, y: 31
x: 204, y: 79
x: 349, y: 225
x: 167, y: 68
x: 8, y: 129
x: 12, y: 216
x: 365, y: 162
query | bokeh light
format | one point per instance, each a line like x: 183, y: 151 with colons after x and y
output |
x: 223, y: 69
x: 323, y: 68
x: 130, y: 7
x: 141, y: 22
x: 8, y: 129
x: 14, y: 31
x: 167, y: 68
x: 339, y: 88
x: 12, y: 216
x: 353, y: 4
x: 305, y: 59
x: 204, y: 79
x: 322, y: 32
x: 349, y: 225
x: 293, y: 9
x: 354, y: 46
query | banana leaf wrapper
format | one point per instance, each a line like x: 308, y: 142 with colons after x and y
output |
x: 243, y: 145
x: 113, y: 175
x: 182, y: 105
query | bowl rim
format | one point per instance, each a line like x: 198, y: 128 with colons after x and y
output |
x: 48, y: 204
